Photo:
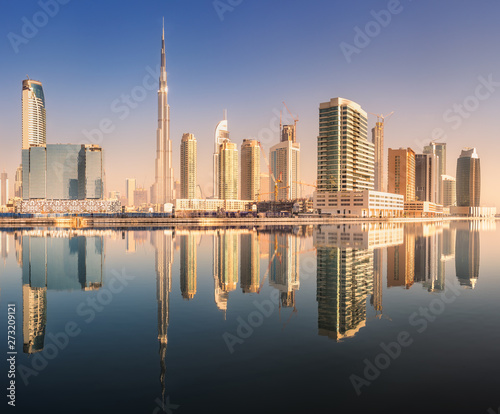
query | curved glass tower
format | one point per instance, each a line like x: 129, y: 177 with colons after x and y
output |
x: 33, y: 117
x: 221, y: 136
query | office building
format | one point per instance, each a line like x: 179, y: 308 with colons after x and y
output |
x: 468, y: 179
x: 188, y: 167
x: 90, y: 173
x: 130, y: 185
x: 449, y: 186
x: 265, y: 182
x: 221, y: 137
x: 64, y: 178
x: 439, y: 150
x: 140, y: 197
x: 427, y: 178
x: 345, y: 157
x: 250, y: 169
x: 18, y: 183
x: 164, y: 173
x: 401, y: 174
x: 378, y: 143
x: 33, y: 114
x: 4, y: 189
x: 285, y: 166
x: 228, y: 171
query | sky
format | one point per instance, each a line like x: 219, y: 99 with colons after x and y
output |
x: 434, y: 63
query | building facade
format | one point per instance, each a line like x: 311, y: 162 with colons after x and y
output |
x: 131, y: 185
x: 250, y: 169
x: 228, y: 171
x: 449, y: 185
x: 33, y: 114
x: 439, y: 150
x: 4, y: 189
x: 468, y: 179
x: 427, y: 178
x: 345, y: 157
x: 188, y: 166
x: 221, y: 136
x: 285, y: 166
x: 378, y: 142
x: 401, y: 173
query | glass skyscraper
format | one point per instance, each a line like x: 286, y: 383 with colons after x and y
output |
x: 468, y: 179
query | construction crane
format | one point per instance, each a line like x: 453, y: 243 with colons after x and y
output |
x: 381, y: 118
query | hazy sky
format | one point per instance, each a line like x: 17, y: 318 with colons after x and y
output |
x: 435, y: 64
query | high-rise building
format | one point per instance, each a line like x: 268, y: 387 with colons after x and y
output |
x: 250, y: 169
x: 426, y: 177
x: 449, y: 186
x: 164, y: 172
x: 140, y: 197
x: 33, y: 114
x: 130, y: 185
x: 285, y: 166
x: 90, y: 173
x: 228, y: 171
x: 401, y: 174
x: 378, y: 142
x: 468, y: 179
x: 18, y: 183
x: 439, y: 150
x: 265, y: 181
x: 4, y: 189
x: 345, y: 157
x: 221, y: 136
x: 188, y: 166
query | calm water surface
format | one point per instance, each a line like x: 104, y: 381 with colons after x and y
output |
x: 382, y: 318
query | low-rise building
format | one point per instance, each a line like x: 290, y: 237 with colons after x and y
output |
x: 366, y: 203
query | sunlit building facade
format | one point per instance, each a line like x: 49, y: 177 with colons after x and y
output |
x: 33, y: 114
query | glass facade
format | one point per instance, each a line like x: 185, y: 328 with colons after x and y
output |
x: 90, y: 185
x: 62, y: 171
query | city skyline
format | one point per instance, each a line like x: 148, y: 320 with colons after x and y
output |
x: 255, y: 117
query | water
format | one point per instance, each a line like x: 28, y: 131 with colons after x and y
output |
x: 255, y: 320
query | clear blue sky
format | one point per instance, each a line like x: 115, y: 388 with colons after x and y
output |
x: 90, y: 53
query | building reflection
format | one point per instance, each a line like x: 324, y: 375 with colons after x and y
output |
x: 57, y: 261
x: 189, y: 269
x: 225, y: 265
x: 401, y: 261
x: 467, y: 252
x: 250, y: 262
x: 284, y: 266
x: 162, y: 242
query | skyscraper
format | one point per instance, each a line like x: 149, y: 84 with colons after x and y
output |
x: 468, y: 179
x: 4, y: 189
x: 188, y: 166
x: 250, y: 169
x: 439, y: 150
x: 449, y: 186
x: 426, y: 177
x: 18, y: 183
x: 228, y: 171
x: 221, y: 136
x: 90, y: 173
x: 378, y: 142
x: 288, y: 133
x: 130, y: 187
x: 401, y: 175
x: 345, y: 157
x: 164, y: 172
x: 33, y: 114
